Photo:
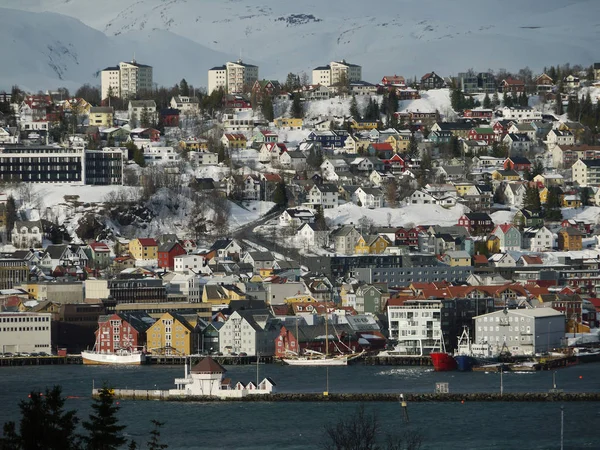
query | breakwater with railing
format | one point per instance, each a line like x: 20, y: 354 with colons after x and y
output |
x: 140, y: 394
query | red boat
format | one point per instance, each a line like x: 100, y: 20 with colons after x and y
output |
x: 443, y: 362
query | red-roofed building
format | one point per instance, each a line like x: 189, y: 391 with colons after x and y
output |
x: 167, y: 253
x: 234, y: 140
x: 144, y: 248
x: 383, y: 150
x: 512, y: 86
x: 395, y: 80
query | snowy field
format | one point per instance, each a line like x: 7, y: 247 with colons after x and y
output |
x: 410, y: 215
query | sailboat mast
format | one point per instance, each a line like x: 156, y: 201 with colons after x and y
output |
x: 326, y: 331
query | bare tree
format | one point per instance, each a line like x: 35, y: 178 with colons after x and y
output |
x: 362, y: 431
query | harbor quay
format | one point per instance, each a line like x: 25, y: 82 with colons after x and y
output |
x: 139, y: 394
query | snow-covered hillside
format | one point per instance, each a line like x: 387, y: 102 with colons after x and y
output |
x: 391, y: 36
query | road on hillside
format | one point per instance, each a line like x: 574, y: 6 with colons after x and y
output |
x: 245, y: 232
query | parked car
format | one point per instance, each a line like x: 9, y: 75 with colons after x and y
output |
x: 44, y: 354
x: 243, y: 354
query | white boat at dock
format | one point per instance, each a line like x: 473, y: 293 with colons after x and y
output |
x: 120, y: 357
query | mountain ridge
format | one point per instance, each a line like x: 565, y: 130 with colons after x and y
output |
x: 281, y: 36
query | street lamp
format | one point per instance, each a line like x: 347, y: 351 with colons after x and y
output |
x: 548, y: 337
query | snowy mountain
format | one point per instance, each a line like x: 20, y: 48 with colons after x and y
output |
x: 391, y: 36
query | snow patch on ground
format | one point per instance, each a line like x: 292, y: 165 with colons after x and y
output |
x: 410, y: 215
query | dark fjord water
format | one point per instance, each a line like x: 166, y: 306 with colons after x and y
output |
x: 298, y: 425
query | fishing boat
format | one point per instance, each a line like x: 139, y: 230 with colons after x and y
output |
x: 442, y: 361
x: 468, y: 354
x: 120, y: 357
x: 126, y: 355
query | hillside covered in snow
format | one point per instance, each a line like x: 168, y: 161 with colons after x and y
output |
x: 183, y: 38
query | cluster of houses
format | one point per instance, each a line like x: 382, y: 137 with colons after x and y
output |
x: 229, y: 298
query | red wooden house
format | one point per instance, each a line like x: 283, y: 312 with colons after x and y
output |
x: 122, y: 331
x: 397, y: 163
x: 513, y: 86
x: 477, y: 222
x: 390, y: 80
x: 482, y: 134
x: 408, y: 236
x: 167, y: 253
x: 485, y: 114
x: 518, y: 163
x: 169, y: 117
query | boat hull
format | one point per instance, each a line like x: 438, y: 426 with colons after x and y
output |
x: 442, y: 362
x: 316, y: 361
x: 94, y: 359
x: 464, y: 363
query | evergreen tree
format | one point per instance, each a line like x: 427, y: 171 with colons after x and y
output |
x: 280, y: 195
x: 495, y: 100
x: 297, y: 110
x: 222, y: 156
x: 584, y: 196
x: 538, y: 168
x: 184, y: 88
x: 266, y: 107
x: 103, y: 426
x: 11, y: 215
x: 552, y: 208
x: 392, y: 106
x: 573, y: 108
x: 532, y: 199
x: 455, y: 146
x: 154, y: 442
x: 487, y: 103
x: 558, y: 106
x: 145, y: 117
x: 457, y: 100
x: 354, y: 112
x: 413, y: 147
x: 44, y: 425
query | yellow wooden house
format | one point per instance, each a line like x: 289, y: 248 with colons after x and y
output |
x: 289, y: 122
x: 143, y: 248
x: 217, y: 294
x: 399, y: 142
x: 571, y: 201
x: 378, y: 245
x: 543, y: 195
x: 493, y: 244
x: 363, y: 125
x: 362, y: 247
x: 505, y: 175
x: 193, y: 144
x: 171, y: 334
x: 302, y: 298
x: 463, y: 189
x: 101, y: 116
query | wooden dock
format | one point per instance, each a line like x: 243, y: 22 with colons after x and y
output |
x: 178, y: 360
x: 39, y: 360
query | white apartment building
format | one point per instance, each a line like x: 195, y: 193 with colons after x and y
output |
x: 25, y: 332
x: 325, y: 195
x: 187, y: 263
x: 126, y: 79
x: 159, y: 154
x: 416, y: 326
x: 232, y: 77
x: 332, y: 73
x: 521, y: 331
x: 586, y: 172
x: 521, y: 113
